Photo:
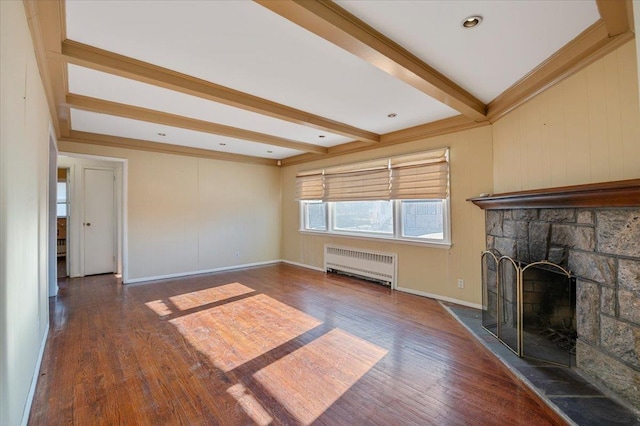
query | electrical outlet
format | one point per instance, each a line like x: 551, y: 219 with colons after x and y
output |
x: 237, y: 254
x: 460, y: 283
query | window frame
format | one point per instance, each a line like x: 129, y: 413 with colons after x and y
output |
x: 397, y: 234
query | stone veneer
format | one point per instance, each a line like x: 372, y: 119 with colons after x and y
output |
x: 601, y: 247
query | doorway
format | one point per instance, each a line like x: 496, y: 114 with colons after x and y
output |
x: 96, y: 225
x: 62, y: 221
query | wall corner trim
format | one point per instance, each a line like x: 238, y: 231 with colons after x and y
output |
x: 302, y: 265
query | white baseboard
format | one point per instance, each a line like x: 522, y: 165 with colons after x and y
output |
x: 402, y: 289
x: 34, y: 379
x: 199, y: 272
x: 438, y: 297
x: 302, y: 265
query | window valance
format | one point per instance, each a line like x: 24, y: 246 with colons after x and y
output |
x: 423, y: 175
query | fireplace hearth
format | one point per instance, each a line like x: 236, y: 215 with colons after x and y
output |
x: 592, y: 232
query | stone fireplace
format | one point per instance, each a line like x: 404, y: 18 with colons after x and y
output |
x: 593, y: 231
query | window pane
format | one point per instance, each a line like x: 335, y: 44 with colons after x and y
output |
x: 315, y: 216
x: 423, y: 219
x: 62, y: 209
x: 62, y: 192
x: 364, y: 216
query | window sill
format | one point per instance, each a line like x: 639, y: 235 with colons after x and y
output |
x: 429, y: 244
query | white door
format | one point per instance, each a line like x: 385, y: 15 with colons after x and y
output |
x: 99, y: 222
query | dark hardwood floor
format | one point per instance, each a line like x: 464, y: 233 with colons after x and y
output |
x: 270, y: 345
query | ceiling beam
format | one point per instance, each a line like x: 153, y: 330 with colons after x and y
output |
x: 591, y: 45
x: 333, y: 23
x: 86, y: 138
x: 429, y: 130
x: 152, y: 116
x: 423, y: 131
x: 123, y: 66
x: 617, y: 16
x: 47, y: 27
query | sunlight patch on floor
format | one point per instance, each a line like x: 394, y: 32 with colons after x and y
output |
x: 237, y: 332
x: 250, y: 404
x: 198, y: 298
x: 305, y: 382
x: 209, y: 295
x: 309, y: 380
x: 159, y: 307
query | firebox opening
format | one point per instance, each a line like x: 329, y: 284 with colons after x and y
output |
x: 531, y: 308
x: 548, y: 315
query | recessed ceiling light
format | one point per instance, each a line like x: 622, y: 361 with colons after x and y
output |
x: 162, y: 134
x: 222, y: 144
x: 472, y: 21
x: 392, y: 115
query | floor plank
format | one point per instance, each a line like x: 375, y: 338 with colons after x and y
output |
x: 269, y: 345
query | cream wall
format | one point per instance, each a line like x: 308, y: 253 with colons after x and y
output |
x: 636, y: 15
x: 583, y: 130
x: 188, y: 214
x: 424, y: 270
x: 24, y: 166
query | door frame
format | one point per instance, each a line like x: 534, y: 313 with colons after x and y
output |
x: 52, y: 267
x: 76, y: 216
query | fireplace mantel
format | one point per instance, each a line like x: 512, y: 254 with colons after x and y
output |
x: 624, y: 193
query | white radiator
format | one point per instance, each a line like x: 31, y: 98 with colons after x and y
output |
x: 364, y: 263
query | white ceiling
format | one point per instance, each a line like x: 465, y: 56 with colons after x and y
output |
x: 515, y: 35
x: 84, y: 121
x: 244, y: 46
x: 87, y: 82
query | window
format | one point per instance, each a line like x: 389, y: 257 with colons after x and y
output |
x: 363, y: 216
x: 400, y: 198
x: 315, y: 215
x: 62, y: 201
x: 422, y: 219
x: 417, y: 220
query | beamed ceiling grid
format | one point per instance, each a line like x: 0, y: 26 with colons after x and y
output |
x: 285, y: 82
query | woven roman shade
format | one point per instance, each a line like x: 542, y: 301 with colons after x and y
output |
x: 420, y: 176
x: 408, y: 177
x: 310, y: 185
x: 358, y: 182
